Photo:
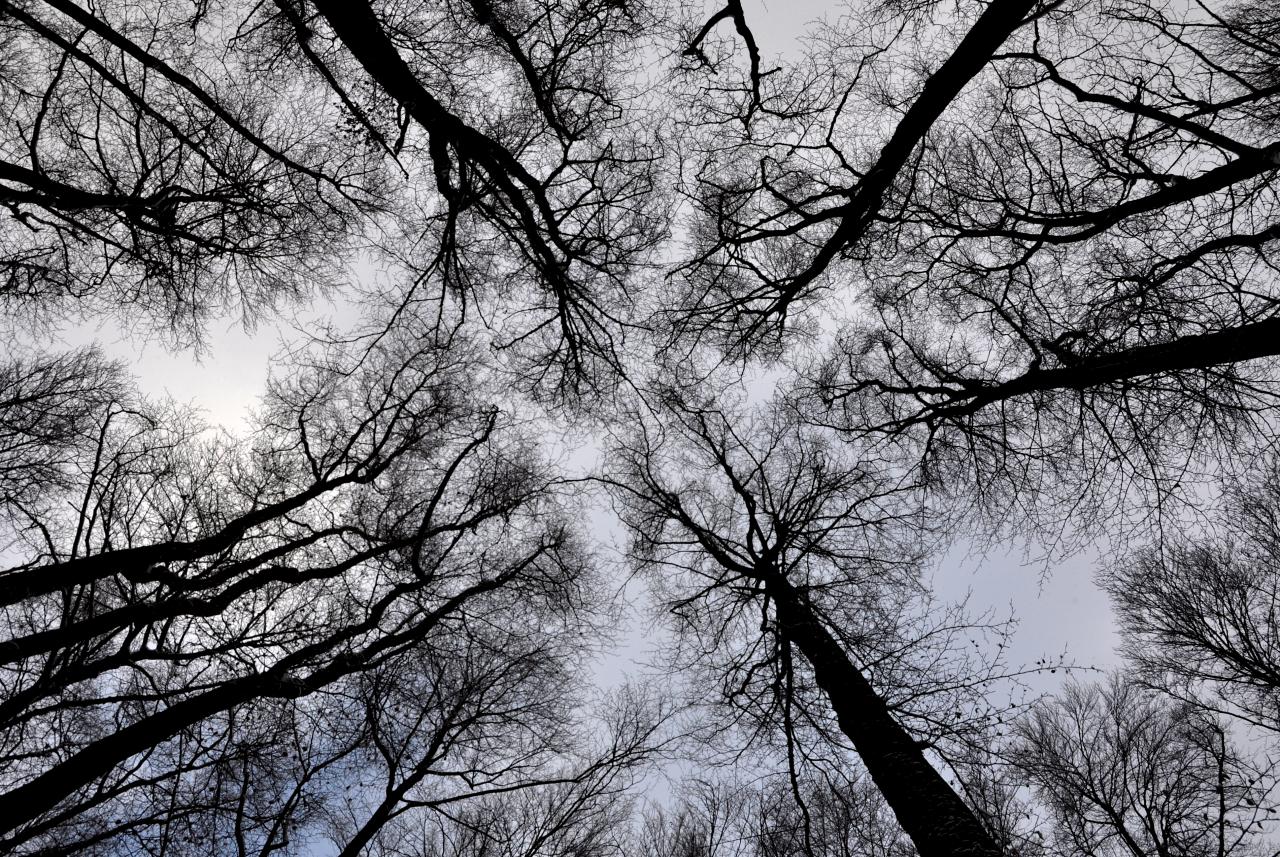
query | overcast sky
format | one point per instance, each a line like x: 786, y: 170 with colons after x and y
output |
x: 1058, y: 606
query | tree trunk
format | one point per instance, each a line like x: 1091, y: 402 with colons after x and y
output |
x: 929, y: 810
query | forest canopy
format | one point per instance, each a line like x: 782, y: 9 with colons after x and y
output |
x: 640, y: 320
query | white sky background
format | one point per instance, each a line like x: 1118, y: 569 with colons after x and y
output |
x: 1058, y: 606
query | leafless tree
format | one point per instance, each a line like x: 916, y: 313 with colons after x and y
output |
x: 1198, y: 612
x: 1126, y: 772
x: 548, y: 201
x: 194, y: 157
x: 1076, y: 276
x: 148, y: 164
x: 50, y: 405
x: 1041, y: 233
x: 580, y: 808
x: 764, y: 819
x: 205, y: 641
x: 1016, y: 257
x: 793, y: 571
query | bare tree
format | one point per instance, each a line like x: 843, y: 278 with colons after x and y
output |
x: 552, y: 197
x: 202, y: 641
x: 998, y: 794
x: 1123, y: 771
x: 1070, y: 289
x: 1005, y: 136
x: 192, y: 158
x: 778, y: 198
x: 1198, y: 612
x: 793, y: 572
x: 1042, y: 235
x: 149, y: 164
x: 50, y: 405
x: 768, y: 818
x: 580, y: 806
x: 1031, y: 241
x: 709, y: 818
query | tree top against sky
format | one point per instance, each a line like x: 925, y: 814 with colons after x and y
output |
x: 940, y: 271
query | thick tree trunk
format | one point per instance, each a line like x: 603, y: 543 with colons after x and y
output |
x: 1185, y: 353
x: 988, y: 33
x: 929, y: 810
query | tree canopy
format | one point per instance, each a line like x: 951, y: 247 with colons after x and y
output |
x: 797, y: 322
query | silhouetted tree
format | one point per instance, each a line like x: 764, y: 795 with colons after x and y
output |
x: 1198, y: 610
x: 1122, y: 771
x: 549, y: 204
x: 1067, y: 289
x: 581, y: 807
x: 207, y: 642
x: 1033, y: 241
x: 189, y: 158
x: 1016, y: 257
x: 50, y: 407
x: 149, y: 163
x: 764, y: 819
x: 794, y: 572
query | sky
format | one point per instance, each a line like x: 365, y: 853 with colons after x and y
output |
x: 227, y: 379
x: 1059, y: 608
